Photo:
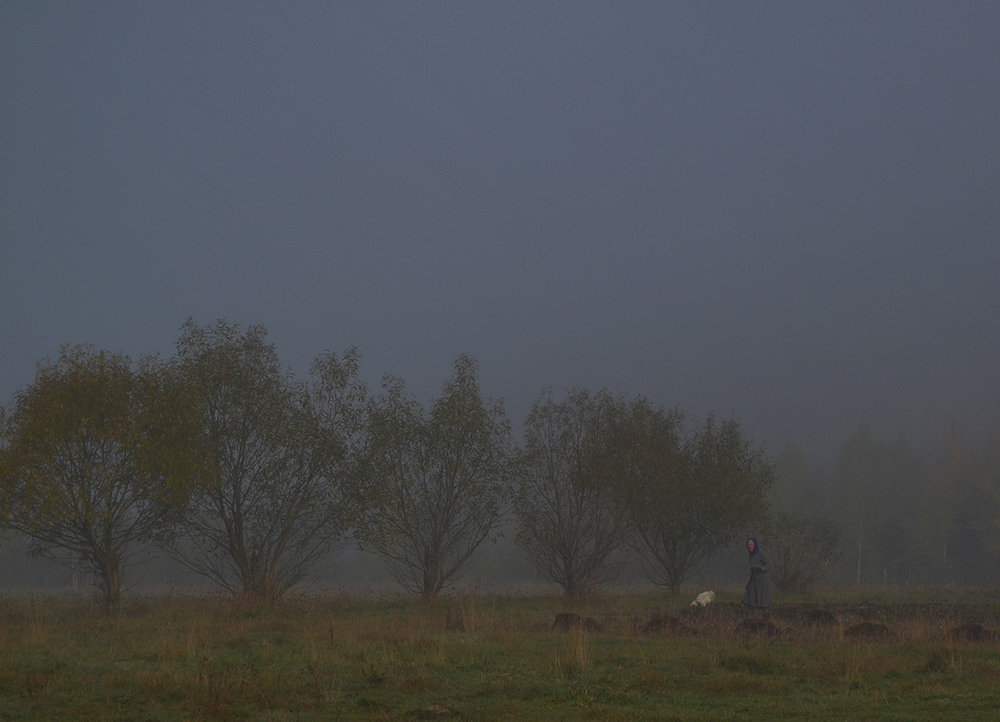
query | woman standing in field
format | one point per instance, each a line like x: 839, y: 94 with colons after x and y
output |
x: 758, y: 594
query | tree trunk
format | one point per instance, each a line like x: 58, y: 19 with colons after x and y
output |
x: 430, y: 568
x: 111, y: 581
x: 860, y: 529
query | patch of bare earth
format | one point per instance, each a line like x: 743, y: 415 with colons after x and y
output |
x: 857, y: 622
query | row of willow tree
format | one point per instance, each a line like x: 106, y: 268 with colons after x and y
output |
x: 248, y: 475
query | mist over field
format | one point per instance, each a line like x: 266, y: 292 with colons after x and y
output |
x: 780, y: 212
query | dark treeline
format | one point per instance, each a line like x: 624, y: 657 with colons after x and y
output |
x: 905, y: 516
x: 251, y: 479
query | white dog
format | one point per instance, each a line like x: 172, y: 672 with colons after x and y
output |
x: 703, y: 599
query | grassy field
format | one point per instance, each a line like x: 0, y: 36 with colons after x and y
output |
x: 925, y: 655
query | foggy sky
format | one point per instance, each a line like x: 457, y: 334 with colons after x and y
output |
x: 787, y: 211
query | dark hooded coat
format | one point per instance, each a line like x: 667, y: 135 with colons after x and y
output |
x: 758, y: 591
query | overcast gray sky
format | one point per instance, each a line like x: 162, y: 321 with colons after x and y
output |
x: 783, y: 210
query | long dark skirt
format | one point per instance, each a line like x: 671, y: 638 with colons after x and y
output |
x: 758, y: 590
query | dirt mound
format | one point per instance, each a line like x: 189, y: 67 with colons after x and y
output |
x: 806, y: 615
x: 820, y: 618
x: 869, y: 621
x: 868, y: 632
x: 756, y: 628
x: 665, y: 624
x: 972, y: 632
x: 566, y: 621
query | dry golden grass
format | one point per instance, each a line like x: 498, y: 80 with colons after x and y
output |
x: 495, y: 657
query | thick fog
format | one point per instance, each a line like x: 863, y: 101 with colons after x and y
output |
x: 782, y: 211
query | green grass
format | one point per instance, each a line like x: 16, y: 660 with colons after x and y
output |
x: 494, y: 658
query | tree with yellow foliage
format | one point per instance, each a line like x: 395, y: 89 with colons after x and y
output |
x: 96, y: 457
